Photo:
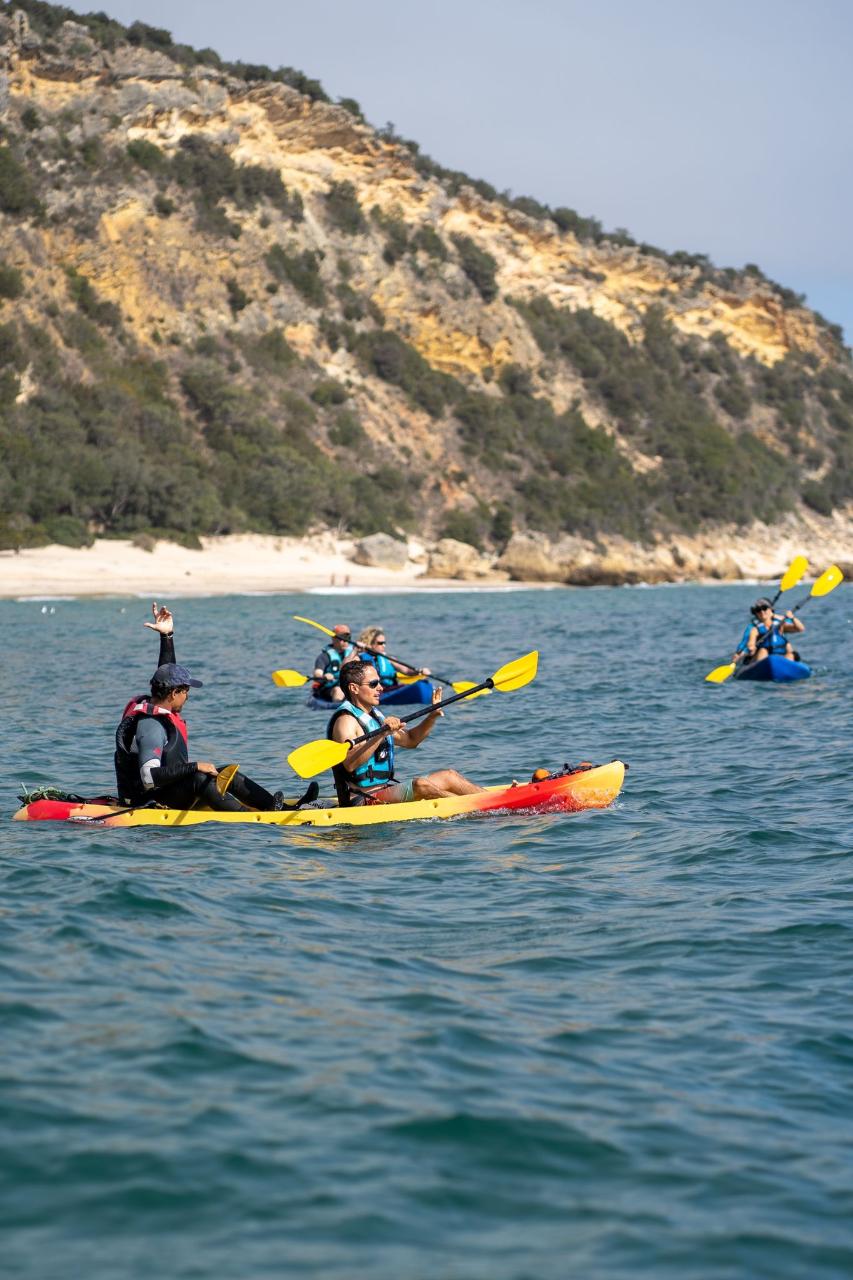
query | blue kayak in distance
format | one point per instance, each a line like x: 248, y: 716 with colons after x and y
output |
x: 775, y: 667
x: 417, y: 694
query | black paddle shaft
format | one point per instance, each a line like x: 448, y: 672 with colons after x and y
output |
x: 414, y: 670
x: 424, y: 711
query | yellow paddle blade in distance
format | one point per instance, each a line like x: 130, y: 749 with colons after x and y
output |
x: 225, y: 777
x: 798, y: 566
x: 828, y: 581
x: 461, y: 686
x: 312, y: 623
x: 516, y: 674
x: 289, y: 679
x: 316, y: 756
x: 401, y: 679
x: 719, y: 674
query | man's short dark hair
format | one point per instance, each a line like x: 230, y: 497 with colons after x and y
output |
x: 353, y: 673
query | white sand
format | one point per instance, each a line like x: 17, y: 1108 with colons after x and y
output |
x: 241, y: 563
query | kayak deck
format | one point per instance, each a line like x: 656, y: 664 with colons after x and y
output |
x: 593, y: 788
x: 775, y: 667
x: 416, y: 694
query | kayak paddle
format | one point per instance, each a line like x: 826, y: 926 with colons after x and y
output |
x: 791, y: 577
x: 289, y: 679
x: 458, y: 686
x: 322, y: 753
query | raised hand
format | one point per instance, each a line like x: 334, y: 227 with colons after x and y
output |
x: 163, y: 622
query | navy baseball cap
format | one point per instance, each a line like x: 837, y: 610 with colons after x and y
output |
x: 173, y: 676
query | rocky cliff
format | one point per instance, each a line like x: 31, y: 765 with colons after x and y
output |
x: 227, y: 303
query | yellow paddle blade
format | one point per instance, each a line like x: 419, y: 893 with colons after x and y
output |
x: 461, y: 686
x: 828, y: 581
x: 289, y: 679
x: 401, y: 679
x: 225, y: 777
x: 798, y: 566
x: 316, y: 756
x: 719, y: 674
x: 312, y: 623
x: 516, y: 674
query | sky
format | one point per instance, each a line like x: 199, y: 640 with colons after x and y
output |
x: 719, y: 128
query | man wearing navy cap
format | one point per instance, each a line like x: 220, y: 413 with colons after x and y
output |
x: 152, y: 756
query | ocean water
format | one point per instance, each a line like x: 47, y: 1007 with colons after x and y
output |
x: 607, y: 1045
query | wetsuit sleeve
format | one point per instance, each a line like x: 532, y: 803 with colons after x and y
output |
x: 150, y: 743
x: 322, y: 663
x: 149, y: 740
x: 167, y: 650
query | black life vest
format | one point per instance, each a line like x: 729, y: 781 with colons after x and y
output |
x: 127, y: 762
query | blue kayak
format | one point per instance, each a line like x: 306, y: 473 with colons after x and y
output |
x: 418, y: 694
x: 776, y: 668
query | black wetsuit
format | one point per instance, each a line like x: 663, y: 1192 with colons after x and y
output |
x: 177, y: 782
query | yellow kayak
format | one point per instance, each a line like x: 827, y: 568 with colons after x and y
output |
x: 585, y: 788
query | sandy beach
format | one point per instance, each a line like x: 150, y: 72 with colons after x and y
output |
x: 248, y: 563
x: 240, y: 563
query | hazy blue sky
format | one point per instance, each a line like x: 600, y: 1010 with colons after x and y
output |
x: 720, y: 128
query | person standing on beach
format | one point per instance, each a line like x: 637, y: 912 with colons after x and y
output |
x: 327, y: 667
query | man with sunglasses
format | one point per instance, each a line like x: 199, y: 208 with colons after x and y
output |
x: 366, y: 776
x: 152, y: 750
x: 327, y: 667
x: 766, y: 633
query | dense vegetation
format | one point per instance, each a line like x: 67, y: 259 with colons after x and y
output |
x: 234, y: 431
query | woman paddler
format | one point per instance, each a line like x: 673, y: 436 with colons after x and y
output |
x: 765, y: 634
x: 366, y: 775
x: 371, y: 648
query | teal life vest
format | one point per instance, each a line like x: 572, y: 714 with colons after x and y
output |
x: 375, y: 772
x: 385, y: 668
x: 332, y: 670
x: 769, y: 638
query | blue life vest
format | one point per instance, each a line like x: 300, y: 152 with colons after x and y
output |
x: 377, y: 771
x: 332, y: 670
x: 776, y: 644
x: 385, y: 668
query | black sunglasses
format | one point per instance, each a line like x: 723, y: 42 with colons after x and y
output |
x: 372, y: 684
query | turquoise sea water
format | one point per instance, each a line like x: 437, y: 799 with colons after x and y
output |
x: 611, y: 1045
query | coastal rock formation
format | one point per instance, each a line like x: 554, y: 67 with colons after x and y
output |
x: 452, y: 559
x: 381, y: 551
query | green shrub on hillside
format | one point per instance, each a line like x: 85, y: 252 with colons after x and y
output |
x: 17, y: 194
x: 428, y: 239
x: 11, y: 281
x: 344, y: 210
x: 386, y: 354
x: 478, y: 265
x: 302, y: 270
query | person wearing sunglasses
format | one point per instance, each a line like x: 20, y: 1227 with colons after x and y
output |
x: 371, y: 648
x: 152, y: 759
x: 765, y: 634
x: 327, y: 666
x: 367, y: 776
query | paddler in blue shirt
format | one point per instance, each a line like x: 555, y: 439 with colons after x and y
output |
x: 765, y: 634
x: 327, y: 667
x: 371, y: 648
x: 152, y: 759
x: 366, y: 776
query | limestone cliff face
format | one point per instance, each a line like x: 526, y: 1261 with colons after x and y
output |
x: 174, y: 283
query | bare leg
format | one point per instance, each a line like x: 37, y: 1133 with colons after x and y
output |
x: 761, y: 653
x: 446, y: 782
